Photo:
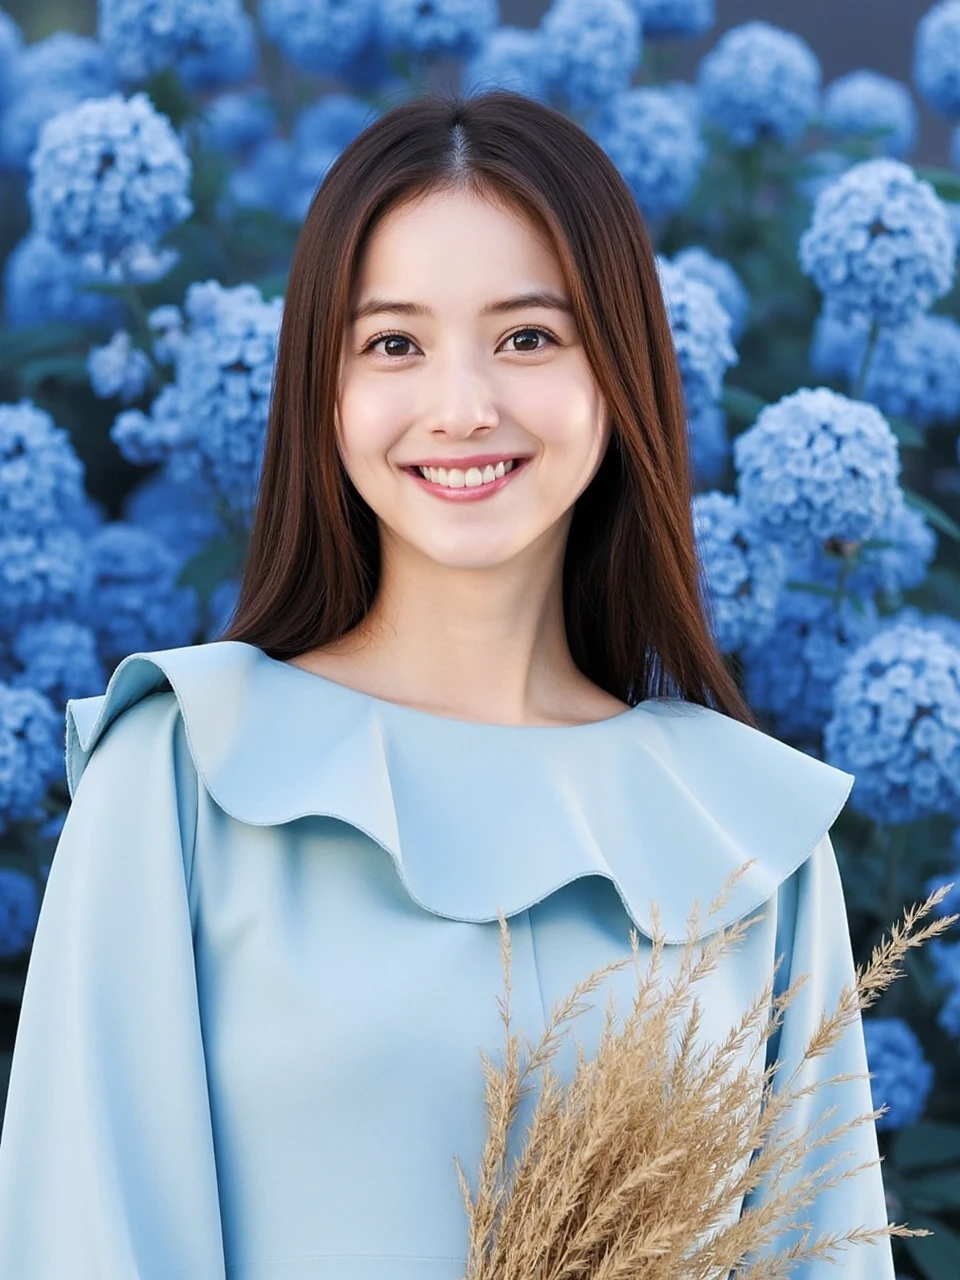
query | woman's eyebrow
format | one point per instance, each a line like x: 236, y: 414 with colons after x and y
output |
x: 537, y: 298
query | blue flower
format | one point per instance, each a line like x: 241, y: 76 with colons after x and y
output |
x: 866, y: 102
x: 716, y: 272
x: 760, y: 82
x: 700, y: 326
x: 880, y: 243
x: 319, y: 36
x: 46, y: 78
x: 234, y: 59
x: 181, y: 516
x: 31, y: 753
x: 915, y: 371
x: 896, y: 725
x: 743, y: 572
x: 663, y: 19
x: 119, y: 369
x: 442, y: 28
x: 109, y: 177
x: 41, y: 477
x: 267, y: 179
x: 58, y: 657
x: 816, y: 465
x: 211, y: 421
x: 655, y: 143
x: 43, y: 573
x: 135, y: 603
x: 19, y: 911
x: 233, y: 123
x: 709, y: 445
x: 902, y: 1075
x: 790, y: 677
x: 147, y: 36
x: 42, y: 284
x: 945, y: 959
x: 591, y: 49
x: 509, y: 58
x: 936, y: 58
x: 870, y: 567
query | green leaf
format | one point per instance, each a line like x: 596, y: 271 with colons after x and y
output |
x: 939, y: 519
x: 18, y: 345
x: 926, y: 1145
x: 220, y: 558
x: 935, y: 1256
x: 909, y: 436
x: 70, y: 369
x: 742, y: 404
x: 945, y: 181
x: 935, y: 1192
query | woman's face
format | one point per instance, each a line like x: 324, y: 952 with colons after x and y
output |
x: 446, y: 368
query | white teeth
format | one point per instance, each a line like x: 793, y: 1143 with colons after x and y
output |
x: 472, y: 478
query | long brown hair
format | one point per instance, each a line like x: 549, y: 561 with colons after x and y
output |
x: 633, y: 602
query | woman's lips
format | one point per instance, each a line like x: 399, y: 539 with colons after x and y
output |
x: 465, y: 494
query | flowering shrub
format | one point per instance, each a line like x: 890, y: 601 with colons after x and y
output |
x: 157, y: 175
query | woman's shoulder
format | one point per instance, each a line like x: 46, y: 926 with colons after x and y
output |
x: 665, y: 799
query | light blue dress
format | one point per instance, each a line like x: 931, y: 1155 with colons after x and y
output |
x: 268, y: 958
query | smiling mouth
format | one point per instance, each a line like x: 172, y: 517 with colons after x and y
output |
x: 466, y: 484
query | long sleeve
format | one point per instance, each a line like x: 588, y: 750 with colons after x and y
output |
x: 814, y: 937
x: 107, y: 1165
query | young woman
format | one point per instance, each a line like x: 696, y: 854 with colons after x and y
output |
x: 469, y: 670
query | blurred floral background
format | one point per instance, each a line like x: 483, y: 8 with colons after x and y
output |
x: 156, y: 160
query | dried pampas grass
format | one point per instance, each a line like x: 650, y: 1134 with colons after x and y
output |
x: 632, y: 1170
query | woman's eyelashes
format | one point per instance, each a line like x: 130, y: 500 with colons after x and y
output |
x: 402, y: 337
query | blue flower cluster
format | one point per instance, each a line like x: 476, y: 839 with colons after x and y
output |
x: 41, y: 477
x: 134, y: 601
x: 19, y: 911
x: 790, y: 677
x: 319, y: 36
x: 700, y: 326
x: 211, y: 421
x: 817, y: 466
x: 892, y: 560
x: 700, y: 264
x: 233, y: 123
x: 865, y: 102
x: 31, y: 756
x: 590, y: 50
x: 58, y: 657
x: 41, y: 283
x: 442, y: 28
x: 880, y: 244
x: 709, y: 445
x: 903, y: 1077
x: 950, y: 904
x: 896, y: 725
x: 743, y: 572
x: 119, y: 369
x: 181, y: 516
x: 760, y: 82
x: 665, y: 19
x: 209, y: 41
x: 109, y: 179
x: 509, y: 58
x: 936, y: 58
x: 46, y: 78
x: 655, y: 143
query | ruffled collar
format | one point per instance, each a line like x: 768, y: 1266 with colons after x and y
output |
x: 665, y: 799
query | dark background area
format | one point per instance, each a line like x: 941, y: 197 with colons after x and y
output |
x: 845, y: 34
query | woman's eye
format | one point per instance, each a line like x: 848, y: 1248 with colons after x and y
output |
x: 399, y: 337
